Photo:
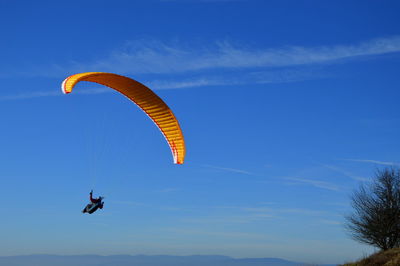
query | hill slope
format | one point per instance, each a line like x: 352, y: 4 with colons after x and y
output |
x: 389, y: 257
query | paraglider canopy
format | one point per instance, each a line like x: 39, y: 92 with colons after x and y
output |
x: 143, y: 97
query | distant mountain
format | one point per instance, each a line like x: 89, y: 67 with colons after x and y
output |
x: 141, y: 260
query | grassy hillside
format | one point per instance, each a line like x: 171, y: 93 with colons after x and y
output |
x: 390, y: 257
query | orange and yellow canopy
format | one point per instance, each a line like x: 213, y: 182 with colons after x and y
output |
x: 143, y: 97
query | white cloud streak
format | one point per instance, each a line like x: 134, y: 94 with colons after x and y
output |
x: 314, y: 183
x: 331, y: 222
x: 201, y: 1
x: 154, y: 57
x: 238, y: 214
x: 218, y: 233
x: 158, y: 57
x: 22, y: 96
x: 168, y: 190
x: 261, y: 77
x: 373, y: 162
x: 345, y: 173
x: 231, y: 214
x: 232, y: 170
x: 54, y: 93
x: 124, y: 202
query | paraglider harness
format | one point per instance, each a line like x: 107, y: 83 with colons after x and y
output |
x: 94, y: 204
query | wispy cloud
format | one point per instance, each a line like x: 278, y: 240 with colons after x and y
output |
x: 331, y: 222
x: 53, y: 93
x: 304, y: 212
x: 222, y: 64
x: 230, y: 214
x: 272, y: 212
x: 229, y: 219
x: 168, y: 190
x: 315, y: 183
x: 260, y: 77
x: 228, y: 234
x: 125, y: 202
x: 254, y: 77
x: 232, y: 170
x: 171, y: 208
x: 250, y: 214
x: 187, y: 83
x: 344, y: 172
x: 21, y: 96
x: 201, y: 1
x: 373, y: 162
x: 158, y: 57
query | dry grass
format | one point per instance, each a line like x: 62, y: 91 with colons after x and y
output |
x: 383, y: 258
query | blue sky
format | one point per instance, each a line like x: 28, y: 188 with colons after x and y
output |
x: 286, y: 106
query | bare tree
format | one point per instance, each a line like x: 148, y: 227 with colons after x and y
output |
x: 375, y: 219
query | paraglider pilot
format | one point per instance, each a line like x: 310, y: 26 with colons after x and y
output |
x: 95, y: 203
